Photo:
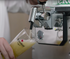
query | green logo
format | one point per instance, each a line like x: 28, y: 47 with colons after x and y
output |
x: 63, y: 2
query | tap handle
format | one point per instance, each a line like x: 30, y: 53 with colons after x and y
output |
x: 42, y: 3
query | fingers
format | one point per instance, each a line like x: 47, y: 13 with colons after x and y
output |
x: 1, y: 56
x: 6, y: 50
x: 9, y: 50
x: 3, y: 51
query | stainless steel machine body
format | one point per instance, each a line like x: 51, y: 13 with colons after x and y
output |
x: 51, y: 51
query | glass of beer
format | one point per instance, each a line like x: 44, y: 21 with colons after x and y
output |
x: 22, y: 42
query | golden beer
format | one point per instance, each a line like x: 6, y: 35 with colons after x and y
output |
x: 18, y: 48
